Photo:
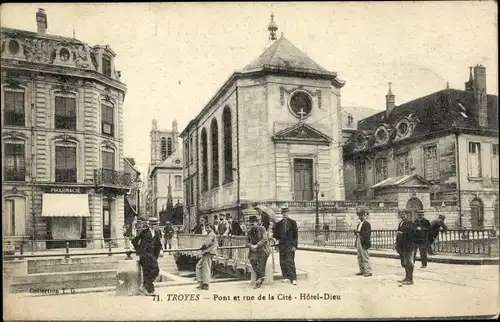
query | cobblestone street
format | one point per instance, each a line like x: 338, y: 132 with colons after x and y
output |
x: 441, y: 289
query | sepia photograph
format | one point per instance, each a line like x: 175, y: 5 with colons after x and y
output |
x: 232, y: 161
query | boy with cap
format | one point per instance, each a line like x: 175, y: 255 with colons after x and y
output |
x: 285, y: 231
x: 436, y: 226
x: 259, y: 251
x: 404, y: 246
x: 363, y: 243
x: 422, y: 227
x: 148, y: 245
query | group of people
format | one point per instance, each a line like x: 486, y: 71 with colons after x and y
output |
x: 260, y: 238
x: 412, y: 236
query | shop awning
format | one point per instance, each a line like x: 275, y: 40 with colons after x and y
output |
x: 65, y: 205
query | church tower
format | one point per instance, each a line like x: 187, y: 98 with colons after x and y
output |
x: 163, y: 142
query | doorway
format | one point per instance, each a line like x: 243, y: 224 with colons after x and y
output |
x: 412, y: 206
x: 106, y: 220
x: 476, y: 214
x: 303, y: 179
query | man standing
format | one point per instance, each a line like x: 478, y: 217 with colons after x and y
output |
x: 234, y: 226
x: 405, y: 245
x: 257, y: 242
x: 168, y: 234
x: 363, y: 243
x: 421, y: 237
x: 285, y: 231
x: 436, y: 225
x: 148, y: 245
x: 204, y: 265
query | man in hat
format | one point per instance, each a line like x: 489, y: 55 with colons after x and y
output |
x: 405, y: 245
x: 168, y: 234
x: 436, y: 226
x: 148, y: 245
x: 422, y: 227
x: 204, y: 265
x: 257, y: 242
x: 363, y: 243
x: 285, y: 231
x: 234, y: 226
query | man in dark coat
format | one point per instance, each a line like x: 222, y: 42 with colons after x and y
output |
x: 148, y: 245
x: 422, y: 227
x: 257, y: 242
x: 405, y: 245
x: 363, y: 243
x: 234, y: 226
x: 285, y: 231
x: 436, y: 226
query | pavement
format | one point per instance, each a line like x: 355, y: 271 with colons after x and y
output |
x: 332, y: 290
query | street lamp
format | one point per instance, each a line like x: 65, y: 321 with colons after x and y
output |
x: 316, y: 190
x: 137, y: 186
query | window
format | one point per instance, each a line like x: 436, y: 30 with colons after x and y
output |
x: 191, y: 149
x: 65, y: 113
x: 380, y: 170
x: 163, y: 148
x: 204, y: 160
x: 215, y: 153
x: 228, y: 145
x: 300, y: 105
x: 187, y: 195
x: 14, y: 216
x: 169, y: 147
x: 106, y: 65
x: 107, y: 119
x: 494, y: 161
x: 14, y: 107
x: 178, y: 182
x: 191, y: 188
x: 474, y: 159
x: 360, y: 173
x: 403, y: 164
x: 186, y: 153
x: 431, y: 166
x: 108, y: 160
x: 65, y: 164
x: 14, y: 167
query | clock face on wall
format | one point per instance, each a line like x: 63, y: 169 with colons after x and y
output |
x: 300, y: 105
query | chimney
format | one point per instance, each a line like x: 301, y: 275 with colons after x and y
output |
x: 389, y: 102
x: 480, y: 95
x: 41, y: 21
x: 469, y: 86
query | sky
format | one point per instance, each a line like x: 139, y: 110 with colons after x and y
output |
x: 175, y: 56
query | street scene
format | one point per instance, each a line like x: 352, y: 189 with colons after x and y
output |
x: 276, y: 160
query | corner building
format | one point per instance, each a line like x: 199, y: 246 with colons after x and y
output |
x: 267, y: 135
x: 62, y: 140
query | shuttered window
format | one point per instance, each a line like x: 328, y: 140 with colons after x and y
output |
x: 431, y: 166
x: 494, y: 161
x: 474, y: 159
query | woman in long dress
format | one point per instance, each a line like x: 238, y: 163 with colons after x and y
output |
x: 268, y: 220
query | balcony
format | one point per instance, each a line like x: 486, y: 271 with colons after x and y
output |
x: 118, y: 180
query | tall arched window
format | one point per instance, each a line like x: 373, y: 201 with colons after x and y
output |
x: 476, y: 213
x: 163, y: 149
x: 228, y: 144
x: 169, y: 147
x: 214, y: 133
x: 496, y: 217
x: 204, y: 160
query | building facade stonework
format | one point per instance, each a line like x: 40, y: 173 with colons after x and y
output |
x: 62, y: 128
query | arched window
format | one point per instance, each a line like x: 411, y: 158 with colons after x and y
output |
x: 204, y: 160
x: 214, y: 133
x: 412, y: 206
x: 476, y: 213
x: 228, y: 144
x: 163, y: 149
x: 169, y: 147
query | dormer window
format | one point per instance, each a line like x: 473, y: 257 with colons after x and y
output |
x: 403, y: 128
x: 13, y: 47
x: 64, y: 54
x: 106, y: 65
x: 381, y: 135
x: 360, y: 142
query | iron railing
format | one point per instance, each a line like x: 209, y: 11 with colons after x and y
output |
x: 112, y: 178
x: 452, y: 241
x: 328, y: 204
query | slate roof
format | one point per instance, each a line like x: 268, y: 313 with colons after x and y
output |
x: 173, y: 161
x: 31, y: 34
x: 437, y: 111
x: 283, y: 55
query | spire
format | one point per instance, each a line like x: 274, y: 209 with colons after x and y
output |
x: 447, y: 85
x: 272, y: 28
x: 390, y: 102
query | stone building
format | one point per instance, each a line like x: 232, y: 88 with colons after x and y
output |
x: 165, y: 169
x: 62, y: 139
x: 133, y: 197
x: 269, y: 134
x: 438, y: 153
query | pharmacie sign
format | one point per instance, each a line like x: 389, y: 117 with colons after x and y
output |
x: 66, y: 190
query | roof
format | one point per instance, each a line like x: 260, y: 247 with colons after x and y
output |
x: 131, y: 162
x: 30, y: 34
x: 283, y: 55
x: 413, y: 179
x: 437, y: 111
x: 173, y: 161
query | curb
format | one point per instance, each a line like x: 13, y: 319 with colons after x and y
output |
x: 431, y: 258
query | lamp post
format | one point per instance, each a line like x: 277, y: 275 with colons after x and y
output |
x: 137, y: 186
x: 316, y: 190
